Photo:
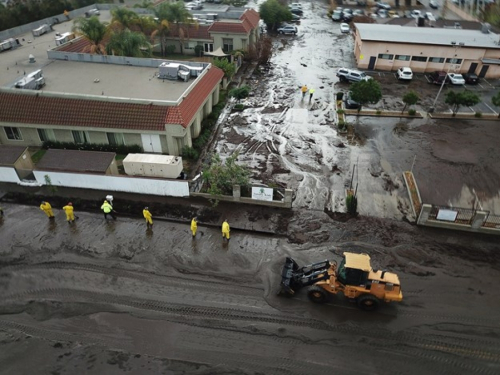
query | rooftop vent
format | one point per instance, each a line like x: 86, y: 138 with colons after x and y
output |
x: 485, y: 28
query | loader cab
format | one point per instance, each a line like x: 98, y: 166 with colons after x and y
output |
x: 354, y: 269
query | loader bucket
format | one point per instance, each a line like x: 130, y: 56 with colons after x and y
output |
x: 289, y: 267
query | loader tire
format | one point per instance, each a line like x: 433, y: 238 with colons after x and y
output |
x: 317, y: 294
x: 368, y: 302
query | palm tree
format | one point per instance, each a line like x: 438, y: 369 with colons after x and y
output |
x: 162, y: 27
x: 122, y: 18
x: 128, y: 43
x: 178, y: 15
x: 94, y: 31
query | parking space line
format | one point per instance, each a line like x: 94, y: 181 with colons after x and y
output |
x: 485, y: 80
x: 491, y: 109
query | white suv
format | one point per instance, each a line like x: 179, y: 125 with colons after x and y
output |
x: 287, y: 30
x: 350, y: 75
x: 404, y: 74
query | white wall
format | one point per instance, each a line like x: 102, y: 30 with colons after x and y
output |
x: 172, y: 188
x: 9, y: 175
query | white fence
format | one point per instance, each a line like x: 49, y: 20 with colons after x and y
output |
x: 172, y: 188
x: 8, y: 174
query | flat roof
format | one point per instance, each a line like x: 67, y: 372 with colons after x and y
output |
x: 10, y: 153
x: 426, y: 35
x: 76, y: 161
x: 120, y: 81
x: 357, y: 261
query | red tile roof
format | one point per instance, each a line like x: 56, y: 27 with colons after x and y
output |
x: 19, y: 107
x: 46, y: 110
x: 230, y: 27
x: 184, y: 112
x: 75, y: 45
x: 194, y: 32
x: 252, y: 17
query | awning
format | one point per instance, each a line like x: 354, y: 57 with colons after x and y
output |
x: 217, y: 53
x: 491, y: 61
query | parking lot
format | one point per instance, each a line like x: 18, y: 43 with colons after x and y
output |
x: 393, y: 91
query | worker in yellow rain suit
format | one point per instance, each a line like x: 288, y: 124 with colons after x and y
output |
x: 108, y: 210
x: 70, y: 216
x: 47, y: 208
x: 194, y: 226
x: 149, y: 218
x: 304, y: 91
x: 225, y: 230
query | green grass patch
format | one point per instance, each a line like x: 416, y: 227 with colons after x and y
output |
x: 38, y: 155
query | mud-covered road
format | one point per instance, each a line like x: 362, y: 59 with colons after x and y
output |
x: 109, y: 298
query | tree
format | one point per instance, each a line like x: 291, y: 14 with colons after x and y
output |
x: 365, y: 92
x: 496, y: 101
x: 162, y: 27
x: 145, y: 4
x: 123, y: 18
x: 410, y: 98
x: 220, y: 177
x: 179, y: 16
x: 227, y: 67
x: 94, y: 31
x: 460, y: 99
x: 128, y: 43
x: 273, y: 13
x: 240, y: 92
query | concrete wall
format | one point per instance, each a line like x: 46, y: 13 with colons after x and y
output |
x: 8, y: 174
x: 172, y: 188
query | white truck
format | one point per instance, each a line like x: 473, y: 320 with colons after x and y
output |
x: 41, y: 30
x: 64, y: 38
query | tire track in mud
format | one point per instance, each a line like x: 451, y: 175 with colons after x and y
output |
x: 143, y: 276
x: 474, y: 348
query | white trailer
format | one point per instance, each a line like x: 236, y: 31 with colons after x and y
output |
x: 64, y: 38
x: 41, y: 30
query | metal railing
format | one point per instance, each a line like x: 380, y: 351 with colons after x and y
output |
x: 464, y: 215
x: 492, y: 221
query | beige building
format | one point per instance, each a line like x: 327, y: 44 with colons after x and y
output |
x: 426, y: 49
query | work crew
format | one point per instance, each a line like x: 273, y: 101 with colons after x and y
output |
x: 70, y: 215
x: 149, y: 218
x: 47, y: 208
x: 108, y: 210
x: 194, y: 226
x: 225, y: 230
x: 304, y: 91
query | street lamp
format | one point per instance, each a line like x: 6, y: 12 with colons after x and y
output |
x: 457, y: 46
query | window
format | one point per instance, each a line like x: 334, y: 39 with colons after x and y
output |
x: 80, y: 136
x: 189, y: 45
x: 403, y: 57
x: 227, y: 45
x: 243, y: 43
x: 454, y: 61
x: 419, y: 58
x: 13, y: 133
x: 115, y: 139
x: 46, y: 135
x: 436, y: 59
x: 209, y: 47
x: 385, y: 56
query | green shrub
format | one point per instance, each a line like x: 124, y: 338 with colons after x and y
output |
x: 119, y: 149
x: 412, y: 112
x: 342, y: 125
x: 170, y: 49
x: 240, y: 92
x: 352, y: 204
x: 478, y: 114
x: 379, y: 112
x: 189, y: 153
x: 239, y: 107
x: 198, y: 50
x: 340, y: 111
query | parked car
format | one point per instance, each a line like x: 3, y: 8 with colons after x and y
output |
x: 287, y: 30
x: 456, y: 79
x: 351, y: 75
x: 337, y: 15
x: 383, y: 5
x: 295, y: 18
x: 297, y: 11
x: 430, y: 16
x: 416, y: 13
x: 404, y: 73
x: 471, y: 78
x: 344, y: 28
x: 347, y: 11
x: 433, y: 4
x: 347, y: 17
x: 349, y: 103
x: 358, y: 12
x: 382, y: 13
x: 437, y: 77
